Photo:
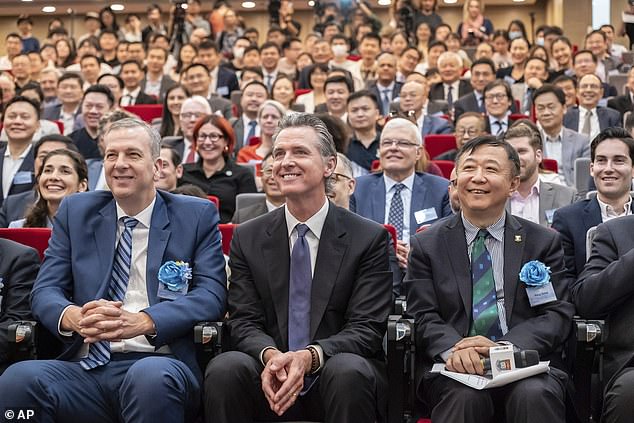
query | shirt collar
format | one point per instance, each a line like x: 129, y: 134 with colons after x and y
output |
x: 315, y: 223
x: 608, y: 210
x: 496, y: 230
x: 133, y: 93
x: 7, y: 152
x: 534, y: 191
x: 383, y: 88
x: 408, y: 182
x: 144, y: 216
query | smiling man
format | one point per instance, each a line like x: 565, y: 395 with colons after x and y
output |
x: 336, y: 90
x: 452, y: 87
x: 97, y: 101
x: 127, y: 336
x: 307, y: 342
x: 466, y: 296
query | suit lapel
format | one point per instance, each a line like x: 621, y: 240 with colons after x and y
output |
x: 514, y: 240
x: 157, y: 242
x: 3, y: 149
x: 377, y: 191
x: 105, y: 234
x: 592, y: 213
x: 546, y: 201
x: 418, y: 202
x: 456, y: 247
x: 332, y: 248
x: 277, y: 256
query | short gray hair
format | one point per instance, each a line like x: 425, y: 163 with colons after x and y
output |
x: 346, y: 163
x: 326, y: 145
x: 132, y: 123
x: 406, y: 125
x: 448, y: 55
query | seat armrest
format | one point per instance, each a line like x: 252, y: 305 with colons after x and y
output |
x: 22, y: 340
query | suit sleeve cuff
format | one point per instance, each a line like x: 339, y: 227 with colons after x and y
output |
x: 262, y: 354
x: 320, y: 353
x: 445, y: 354
x: 59, y: 324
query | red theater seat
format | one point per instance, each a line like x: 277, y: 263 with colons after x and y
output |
x: 32, y: 237
x: 438, y: 144
x: 226, y: 230
x: 147, y: 112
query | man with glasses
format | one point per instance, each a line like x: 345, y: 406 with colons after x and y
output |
x: 468, y: 126
x: 272, y: 200
x: 192, y: 109
x: 589, y: 118
x: 482, y: 73
x: 399, y: 195
x: 497, y: 103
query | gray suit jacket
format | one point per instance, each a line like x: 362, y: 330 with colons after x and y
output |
x: 551, y: 197
x: 219, y: 104
x: 250, y: 212
x: 166, y: 84
x: 573, y: 146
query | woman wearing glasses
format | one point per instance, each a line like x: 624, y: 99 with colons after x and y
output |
x: 215, y: 172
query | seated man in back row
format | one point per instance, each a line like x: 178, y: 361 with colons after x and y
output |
x: 464, y: 290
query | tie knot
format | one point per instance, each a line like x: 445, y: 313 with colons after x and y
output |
x: 482, y: 235
x: 129, y: 222
x: 301, y: 229
x: 252, y: 123
x: 398, y: 188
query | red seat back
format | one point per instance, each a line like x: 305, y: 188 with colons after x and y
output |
x: 446, y: 166
x: 146, y: 112
x: 32, y: 237
x: 375, y: 166
x: 550, y: 164
x: 226, y: 231
x: 392, y: 230
x: 438, y: 144
x: 214, y: 200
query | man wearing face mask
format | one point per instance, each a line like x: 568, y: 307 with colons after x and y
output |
x: 237, y: 64
x: 340, y: 46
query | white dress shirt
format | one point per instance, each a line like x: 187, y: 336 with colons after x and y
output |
x: 527, y: 207
x: 245, y: 135
x: 553, y: 147
x: 10, y: 168
x: 68, y: 119
x: 594, y: 121
x: 406, y: 196
x: 608, y: 212
x: 128, y: 98
x: 213, y: 86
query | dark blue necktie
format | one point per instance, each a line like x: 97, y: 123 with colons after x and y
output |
x: 450, y: 96
x: 251, y: 133
x: 395, y: 217
x: 99, y: 352
x: 480, y: 104
x: 299, y: 292
x: 386, y: 102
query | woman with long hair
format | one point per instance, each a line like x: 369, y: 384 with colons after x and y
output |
x: 501, y: 56
x: 398, y: 43
x: 171, y: 122
x: 66, y: 55
x: 424, y: 36
x: 519, y: 55
x: 474, y: 28
x: 317, y: 75
x: 283, y: 91
x: 269, y: 115
x: 561, y: 52
x: 63, y: 172
x: 108, y: 19
x: 215, y: 172
x: 186, y: 56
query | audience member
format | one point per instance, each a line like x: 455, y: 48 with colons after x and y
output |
x: 132, y: 75
x: 385, y: 88
x: 246, y: 126
x: 97, y: 101
x: 363, y: 115
x: 269, y: 115
x: 172, y: 103
x: 413, y: 102
x: 337, y: 89
x: 171, y: 170
x: 482, y: 73
x: 468, y: 126
x: 497, y: 104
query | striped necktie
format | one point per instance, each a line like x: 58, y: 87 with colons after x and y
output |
x: 484, y: 300
x: 396, y: 214
x: 99, y: 352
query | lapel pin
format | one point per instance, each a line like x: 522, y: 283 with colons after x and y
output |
x: 518, y: 238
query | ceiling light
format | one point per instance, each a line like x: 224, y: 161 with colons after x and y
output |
x: 311, y: 3
x: 49, y: 9
x: 384, y: 2
x: 518, y: 1
x: 27, y: 0
x: 248, y: 4
x: 451, y: 1
x: 117, y: 7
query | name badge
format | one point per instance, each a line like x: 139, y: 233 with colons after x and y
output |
x: 23, y: 177
x: 539, y: 295
x: 167, y: 294
x: 223, y: 91
x: 426, y: 215
x: 549, y: 216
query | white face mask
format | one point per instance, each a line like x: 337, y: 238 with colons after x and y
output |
x: 238, y: 52
x: 515, y: 34
x: 539, y: 41
x: 340, y: 50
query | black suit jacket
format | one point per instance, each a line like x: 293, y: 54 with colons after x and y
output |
x: 227, y: 82
x: 487, y: 124
x: 622, y: 104
x: 437, y: 91
x: 439, y: 289
x: 469, y: 103
x: 15, y: 206
x: 26, y: 166
x: 18, y: 268
x: 351, y: 289
x: 396, y: 92
x: 250, y: 212
x: 604, y: 291
x: 143, y: 98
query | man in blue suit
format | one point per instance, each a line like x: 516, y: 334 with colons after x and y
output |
x: 612, y: 154
x: 413, y: 101
x: 399, y: 195
x: 124, y: 313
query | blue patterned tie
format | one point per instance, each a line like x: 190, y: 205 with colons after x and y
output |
x: 484, y: 301
x: 301, y: 281
x: 99, y: 352
x: 395, y: 217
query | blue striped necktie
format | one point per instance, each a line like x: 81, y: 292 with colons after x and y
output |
x: 396, y: 213
x: 484, y: 301
x: 99, y: 352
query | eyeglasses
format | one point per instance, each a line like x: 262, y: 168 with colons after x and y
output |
x: 211, y: 137
x: 189, y: 115
x: 498, y: 97
x: 472, y: 132
x: 339, y: 176
x: 402, y: 144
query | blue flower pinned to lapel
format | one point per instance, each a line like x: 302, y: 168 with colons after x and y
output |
x: 175, y: 275
x: 535, y: 273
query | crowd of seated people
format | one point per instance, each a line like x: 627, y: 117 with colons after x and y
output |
x: 471, y: 141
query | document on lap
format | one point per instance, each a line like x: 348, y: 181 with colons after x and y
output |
x: 482, y: 382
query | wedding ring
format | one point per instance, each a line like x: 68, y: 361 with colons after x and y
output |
x: 294, y: 394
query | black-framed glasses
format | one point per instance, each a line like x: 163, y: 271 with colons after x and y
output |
x: 211, y: 137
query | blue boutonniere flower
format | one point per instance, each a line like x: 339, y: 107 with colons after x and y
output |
x: 535, y: 273
x: 175, y: 275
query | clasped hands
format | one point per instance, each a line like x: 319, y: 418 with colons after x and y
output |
x: 103, y: 320
x: 283, y: 377
x: 466, y: 355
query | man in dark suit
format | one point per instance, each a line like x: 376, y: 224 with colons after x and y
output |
x: 21, y: 120
x: 155, y: 83
x: 18, y: 268
x: 612, y: 154
x: 452, y: 87
x: 498, y: 99
x: 451, y: 329
x: 589, y: 118
x: 534, y: 200
x: 223, y: 80
x: 133, y: 94
x: 98, y: 100
x: 124, y: 313
x: 400, y: 196
x: 69, y: 91
x: 413, y: 102
x: 482, y: 73
x: 271, y: 200
x: 246, y: 126
x: 604, y: 291
x: 623, y: 103
x: 304, y: 353
x: 196, y: 79
x: 386, y: 88
x: 586, y: 63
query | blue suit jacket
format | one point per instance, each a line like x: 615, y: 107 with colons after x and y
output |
x: 27, y: 167
x: 428, y: 191
x: 607, y: 118
x: 573, y: 222
x: 436, y: 125
x: 78, y: 265
x: 227, y: 82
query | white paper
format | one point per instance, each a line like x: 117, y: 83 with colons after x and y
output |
x: 627, y: 17
x: 481, y: 382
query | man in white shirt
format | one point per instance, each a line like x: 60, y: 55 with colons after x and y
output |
x: 13, y: 44
x: 132, y: 74
x: 270, y: 57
